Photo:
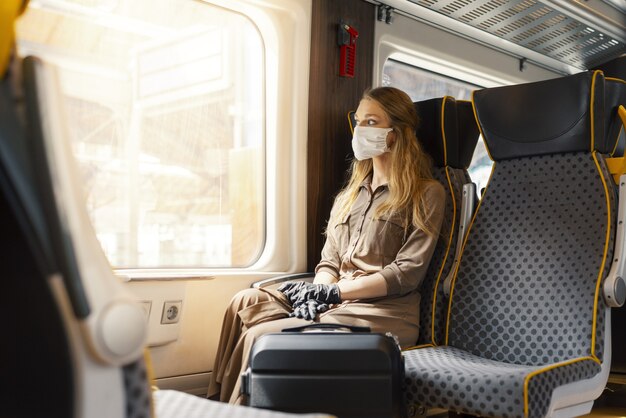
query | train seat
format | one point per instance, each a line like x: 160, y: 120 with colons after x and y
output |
x: 615, y: 96
x: 175, y: 404
x: 53, y: 307
x: 93, y: 359
x: 528, y: 330
x: 450, y: 145
x: 448, y: 133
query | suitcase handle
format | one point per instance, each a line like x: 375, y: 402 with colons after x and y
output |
x: 353, y: 328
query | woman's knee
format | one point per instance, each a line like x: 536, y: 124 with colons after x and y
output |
x: 248, y: 297
x: 276, y: 325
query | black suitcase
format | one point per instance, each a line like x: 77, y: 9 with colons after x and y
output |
x: 347, y: 374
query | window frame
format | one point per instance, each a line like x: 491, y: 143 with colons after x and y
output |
x: 285, y: 97
x: 286, y: 89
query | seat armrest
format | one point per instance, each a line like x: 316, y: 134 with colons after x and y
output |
x: 614, y: 288
x: 307, y: 277
x: 468, y: 206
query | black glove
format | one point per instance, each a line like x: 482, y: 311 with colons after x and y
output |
x: 309, y: 309
x: 291, y: 290
x: 326, y: 293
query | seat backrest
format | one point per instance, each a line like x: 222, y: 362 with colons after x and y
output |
x: 103, y: 371
x: 451, y: 147
x: 26, y: 263
x: 615, y: 74
x: 527, y: 290
x: 449, y: 136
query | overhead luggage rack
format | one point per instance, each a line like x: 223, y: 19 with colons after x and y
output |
x: 579, y: 35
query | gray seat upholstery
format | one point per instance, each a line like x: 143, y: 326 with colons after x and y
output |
x: 174, y: 404
x: 526, y: 317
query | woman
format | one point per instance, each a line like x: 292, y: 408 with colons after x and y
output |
x: 380, y: 237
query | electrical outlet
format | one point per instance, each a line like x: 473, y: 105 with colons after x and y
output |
x: 171, y: 311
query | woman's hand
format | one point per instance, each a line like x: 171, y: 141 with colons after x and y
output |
x: 300, y: 292
x: 325, y: 293
x: 291, y: 290
x: 309, y: 310
x: 310, y: 299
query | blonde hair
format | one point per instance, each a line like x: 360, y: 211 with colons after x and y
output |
x: 410, y: 168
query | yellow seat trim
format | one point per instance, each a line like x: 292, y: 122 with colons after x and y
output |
x: 417, y: 347
x: 9, y: 12
x: 616, y: 166
x: 618, y: 80
x: 467, y: 234
x: 350, y: 121
x: 150, y: 375
x: 604, y: 256
x: 545, y: 369
x: 445, y: 258
x: 451, y: 236
x: 592, y: 107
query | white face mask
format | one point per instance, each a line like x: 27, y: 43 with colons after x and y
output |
x: 369, y: 142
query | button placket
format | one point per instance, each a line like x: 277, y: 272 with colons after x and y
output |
x: 357, y: 236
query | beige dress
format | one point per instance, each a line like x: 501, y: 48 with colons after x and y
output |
x: 358, y: 246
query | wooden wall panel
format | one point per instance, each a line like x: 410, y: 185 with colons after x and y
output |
x: 330, y: 99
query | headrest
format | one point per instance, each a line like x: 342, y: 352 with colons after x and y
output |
x: 614, y: 96
x: 9, y: 11
x: 546, y: 117
x: 447, y: 131
x: 437, y: 128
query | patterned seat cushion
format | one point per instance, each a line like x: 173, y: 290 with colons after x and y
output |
x: 173, y: 404
x: 527, y: 287
x: 434, y: 304
x: 449, y: 378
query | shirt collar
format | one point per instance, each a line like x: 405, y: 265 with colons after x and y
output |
x: 367, y: 184
x: 367, y: 181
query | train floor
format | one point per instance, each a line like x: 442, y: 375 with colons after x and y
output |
x: 612, y: 403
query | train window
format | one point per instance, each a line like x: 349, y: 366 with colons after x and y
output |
x: 166, y: 123
x: 421, y: 84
